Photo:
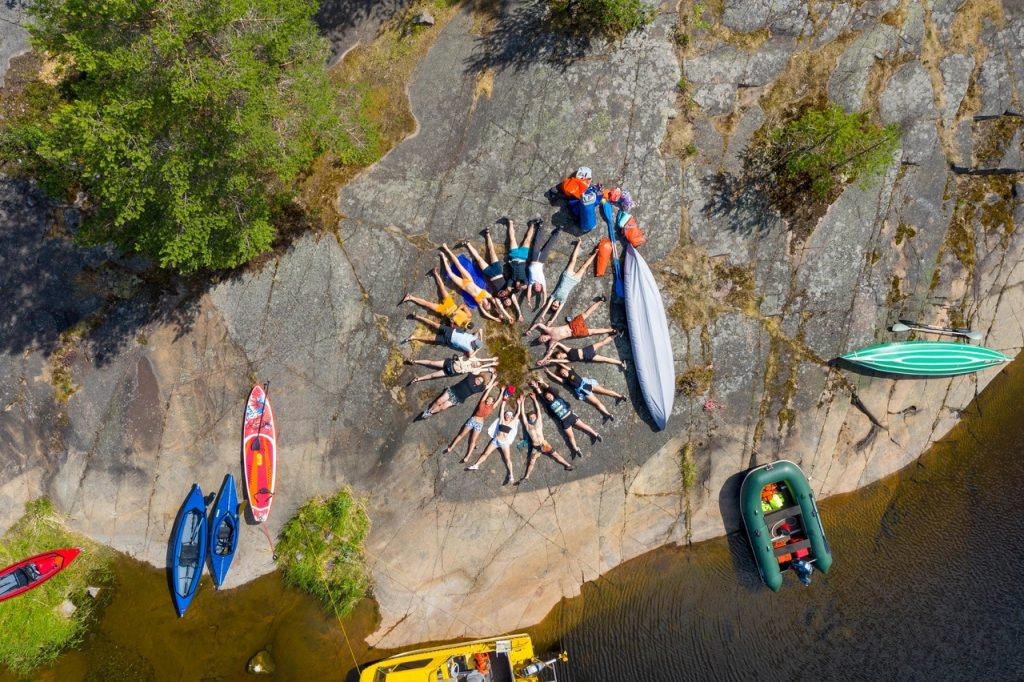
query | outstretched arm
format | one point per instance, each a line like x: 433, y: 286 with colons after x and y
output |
x: 554, y: 377
x: 515, y: 304
x: 482, y: 307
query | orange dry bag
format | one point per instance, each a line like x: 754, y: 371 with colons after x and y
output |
x: 604, y: 256
x: 630, y: 229
x: 574, y: 186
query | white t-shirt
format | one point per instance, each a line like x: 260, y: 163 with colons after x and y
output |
x: 536, y: 274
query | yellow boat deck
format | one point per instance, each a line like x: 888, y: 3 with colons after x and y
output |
x: 498, y: 659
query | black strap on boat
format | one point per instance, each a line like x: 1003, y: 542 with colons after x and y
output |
x: 783, y: 513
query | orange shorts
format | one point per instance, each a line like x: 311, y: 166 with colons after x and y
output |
x: 578, y: 327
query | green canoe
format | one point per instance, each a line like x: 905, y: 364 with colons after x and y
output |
x: 926, y: 358
x: 786, y: 526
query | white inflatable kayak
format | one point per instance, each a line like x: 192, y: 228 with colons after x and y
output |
x: 648, y: 335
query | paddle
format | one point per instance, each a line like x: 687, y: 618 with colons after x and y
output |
x: 953, y: 331
x: 606, y: 213
x: 263, y: 412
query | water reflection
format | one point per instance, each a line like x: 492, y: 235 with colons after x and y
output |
x: 927, y: 583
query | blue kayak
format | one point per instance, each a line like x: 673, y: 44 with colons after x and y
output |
x: 223, y: 530
x: 188, y: 549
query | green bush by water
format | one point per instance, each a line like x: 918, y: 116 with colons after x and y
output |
x: 321, y: 550
x: 34, y: 632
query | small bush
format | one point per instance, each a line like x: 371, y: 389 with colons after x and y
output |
x: 321, y: 551
x: 34, y: 632
x: 823, y: 148
x: 612, y: 18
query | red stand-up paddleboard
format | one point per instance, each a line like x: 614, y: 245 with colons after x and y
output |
x: 259, y: 453
x: 34, y: 571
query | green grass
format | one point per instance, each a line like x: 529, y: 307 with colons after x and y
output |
x: 34, y: 633
x: 321, y: 550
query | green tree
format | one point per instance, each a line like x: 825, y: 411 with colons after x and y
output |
x: 826, y: 147
x: 613, y: 18
x: 183, y: 124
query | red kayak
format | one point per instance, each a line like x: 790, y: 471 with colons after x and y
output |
x: 259, y: 453
x: 34, y: 571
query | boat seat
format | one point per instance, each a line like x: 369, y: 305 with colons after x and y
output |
x: 780, y: 514
x: 792, y: 547
x: 189, y: 555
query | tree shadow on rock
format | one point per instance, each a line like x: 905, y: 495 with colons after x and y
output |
x: 60, y: 296
x: 521, y: 37
x: 740, y: 201
x: 340, y: 19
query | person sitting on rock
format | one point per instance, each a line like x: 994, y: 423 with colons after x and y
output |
x: 475, y: 424
x: 458, y: 393
x: 584, y: 389
x: 458, y: 314
x: 561, y: 354
x: 453, y: 366
x: 505, y: 431
x: 489, y: 308
x: 535, y: 279
x: 575, y: 327
x: 566, y: 283
x: 456, y: 339
x: 567, y: 419
x: 538, y: 444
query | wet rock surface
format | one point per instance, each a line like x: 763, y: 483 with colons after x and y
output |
x: 160, y: 377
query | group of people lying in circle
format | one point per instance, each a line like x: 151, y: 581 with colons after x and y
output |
x: 520, y: 275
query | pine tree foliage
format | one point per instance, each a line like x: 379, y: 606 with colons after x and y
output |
x: 184, y: 124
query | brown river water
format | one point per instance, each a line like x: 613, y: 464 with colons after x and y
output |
x: 928, y: 583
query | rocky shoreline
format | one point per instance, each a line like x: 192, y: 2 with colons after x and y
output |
x: 157, y: 382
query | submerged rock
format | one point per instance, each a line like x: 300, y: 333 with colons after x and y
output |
x: 261, y: 663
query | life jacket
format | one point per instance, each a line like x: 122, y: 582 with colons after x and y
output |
x: 483, y: 663
x: 629, y: 228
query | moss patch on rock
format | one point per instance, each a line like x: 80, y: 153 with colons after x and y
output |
x: 506, y: 344
x: 34, y: 629
x: 321, y: 550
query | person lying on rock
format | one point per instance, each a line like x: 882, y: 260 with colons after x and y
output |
x: 458, y: 314
x: 561, y: 354
x: 584, y: 388
x: 538, y: 284
x: 505, y: 431
x: 457, y: 394
x: 453, y: 366
x: 489, y: 308
x: 566, y: 283
x: 503, y: 289
x: 567, y: 419
x: 575, y: 327
x: 475, y: 424
x: 538, y: 444
x: 456, y: 339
